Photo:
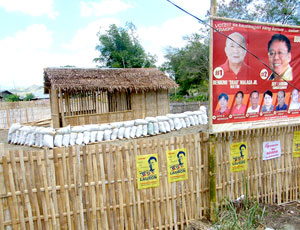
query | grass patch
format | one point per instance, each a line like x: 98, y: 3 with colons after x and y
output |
x: 241, y: 214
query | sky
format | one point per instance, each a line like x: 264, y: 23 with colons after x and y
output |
x: 36, y: 34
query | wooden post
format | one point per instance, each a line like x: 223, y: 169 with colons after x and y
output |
x: 212, y: 177
x: 213, y: 4
x: 54, y: 107
x: 212, y: 137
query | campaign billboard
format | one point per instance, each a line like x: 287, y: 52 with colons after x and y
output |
x: 258, y: 85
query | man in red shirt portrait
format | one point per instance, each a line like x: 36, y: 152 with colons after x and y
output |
x: 235, y: 68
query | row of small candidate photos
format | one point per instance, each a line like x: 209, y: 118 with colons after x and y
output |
x: 268, y: 102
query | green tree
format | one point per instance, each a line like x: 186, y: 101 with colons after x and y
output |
x: 120, y: 48
x: 189, y: 65
x: 271, y: 11
x: 29, y: 97
x: 12, y: 98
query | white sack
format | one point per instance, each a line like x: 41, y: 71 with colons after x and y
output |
x: 133, y: 131
x: 100, y: 136
x: 162, y: 128
x: 86, y: 137
x: 79, y: 139
x: 48, y: 140
x: 145, y: 130
x: 93, y: 136
x: 171, y: 122
x: 127, y: 132
x: 128, y: 124
x: 162, y: 118
x: 150, y: 128
x: 66, y: 139
x: 114, y: 134
x: 107, y: 134
x: 121, y: 133
x: 156, y: 128
x: 73, y: 137
x: 64, y: 130
x: 151, y: 119
x: 167, y: 126
x: 139, y: 131
x: 58, y: 140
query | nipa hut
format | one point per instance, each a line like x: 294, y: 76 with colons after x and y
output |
x: 93, y: 96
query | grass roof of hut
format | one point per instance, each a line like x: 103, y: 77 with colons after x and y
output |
x: 135, y: 79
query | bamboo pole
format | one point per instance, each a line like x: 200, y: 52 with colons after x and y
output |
x: 212, y: 177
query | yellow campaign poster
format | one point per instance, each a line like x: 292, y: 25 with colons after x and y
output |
x: 147, y: 171
x: 238, y: 157
x: 177, y: 165
x: 296, y: 144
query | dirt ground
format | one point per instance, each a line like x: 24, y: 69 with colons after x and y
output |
x: 285, y: 216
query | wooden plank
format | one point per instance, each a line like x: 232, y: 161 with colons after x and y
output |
x: 64, y: 180
x: 72, y: 180
x: 12, y: 204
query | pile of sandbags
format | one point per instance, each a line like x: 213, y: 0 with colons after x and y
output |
x: 85, y: 134
x: 31, y: 136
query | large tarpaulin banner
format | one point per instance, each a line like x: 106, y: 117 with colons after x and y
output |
x: 244, y: 90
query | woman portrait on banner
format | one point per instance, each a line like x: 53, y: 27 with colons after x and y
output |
x: 239, y: 107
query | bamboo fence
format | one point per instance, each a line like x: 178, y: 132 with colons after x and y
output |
x: 23, y: 112
x: 269, y: 181
x: 95, y: 186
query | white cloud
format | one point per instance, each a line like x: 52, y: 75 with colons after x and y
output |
x: 105, y: 7
x: 83, y: 44
x: 156, y: 38
x: 22, y: 55
x: 87, y: 37
x: 30, y: 7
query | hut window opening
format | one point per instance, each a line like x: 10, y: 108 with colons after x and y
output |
x: 74, y: 103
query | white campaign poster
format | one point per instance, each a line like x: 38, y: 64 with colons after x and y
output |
x: 271, y: 150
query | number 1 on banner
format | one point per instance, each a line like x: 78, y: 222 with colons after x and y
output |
x: 296, y: 144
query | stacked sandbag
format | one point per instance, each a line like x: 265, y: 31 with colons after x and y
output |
x: 85, y: 134
x: 117, y: 130
x: 152, y: 126
x: 128, y: 125
x: 12, y: 132
x: 47, y: 137
x: 141, y: 127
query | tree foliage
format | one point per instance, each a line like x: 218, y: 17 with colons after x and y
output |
x: 11, y: 98
x: 120, y: 48
x: 271, y: 11
x: 189, y: 65
x: 29, y: 97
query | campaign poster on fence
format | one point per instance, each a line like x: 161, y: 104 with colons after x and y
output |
x: 147, y: 171
x: 296, y: 144
x: 259, y: 86
x: 271, y: 150
x: 177, y: 165
x: 238, y: 157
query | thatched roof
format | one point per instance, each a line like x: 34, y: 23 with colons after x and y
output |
x: 145, y: 79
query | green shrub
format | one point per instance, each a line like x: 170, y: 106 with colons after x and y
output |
x: 11, y: 98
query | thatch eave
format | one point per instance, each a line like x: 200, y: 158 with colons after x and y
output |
x: 134, y: 80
